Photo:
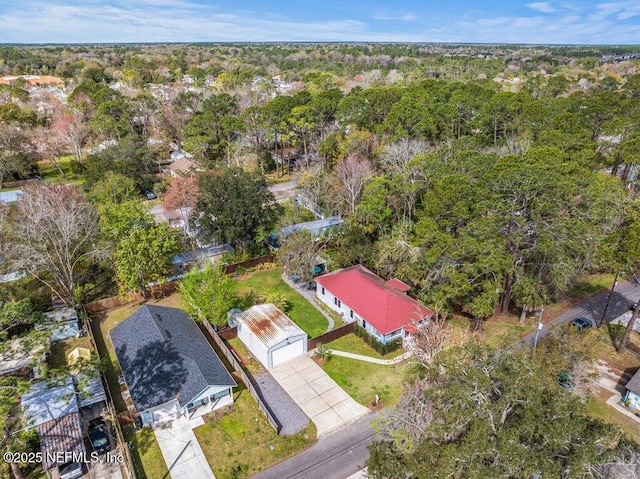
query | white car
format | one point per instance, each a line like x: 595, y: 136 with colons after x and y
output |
x: 70, y: 470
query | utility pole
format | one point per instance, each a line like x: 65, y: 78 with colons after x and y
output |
x: 615, y: 283
x: 538, y: 328
x: 627, y: 331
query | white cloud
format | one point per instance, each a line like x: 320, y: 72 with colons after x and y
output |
x: 544, y: 7
x: 408, y: 17
x: 93, y: 21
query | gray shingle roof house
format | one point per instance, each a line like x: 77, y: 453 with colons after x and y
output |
x: 168, y: 364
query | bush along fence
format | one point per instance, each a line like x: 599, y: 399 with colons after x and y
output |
x: 374, y: 343
x: 243, y: 376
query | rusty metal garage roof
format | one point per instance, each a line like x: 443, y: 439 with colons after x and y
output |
x: 269, y: 324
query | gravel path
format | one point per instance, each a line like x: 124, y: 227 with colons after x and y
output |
x: 287, y: 413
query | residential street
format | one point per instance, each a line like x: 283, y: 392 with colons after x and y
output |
x: 335, y: 456
x: 342, y: 453
x: 625, y: 293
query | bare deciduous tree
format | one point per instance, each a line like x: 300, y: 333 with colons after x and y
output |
x: 72, y: 129
x: 352, y: 175
x: 429, y: 338
x: 312, y: 187
x: 48, y: 145
x: 298, y: 255
x: 53, y: 233
x: 407, y: 423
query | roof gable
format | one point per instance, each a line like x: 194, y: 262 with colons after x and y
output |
x: 378, y: 303
x: 164, y: 356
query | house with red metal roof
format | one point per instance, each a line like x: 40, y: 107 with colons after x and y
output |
x: 381, y: 307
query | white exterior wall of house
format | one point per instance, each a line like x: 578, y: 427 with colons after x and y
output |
x: 162, y: 412
x: 171, y: 409
x: 632, y: 400
x: 328, y: 298
x: 210, y: 393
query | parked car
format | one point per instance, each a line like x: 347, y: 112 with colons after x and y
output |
x: 98, y: 435
x: 582, y: 323
x: 70, y: 470
x: 633, y: 307
x: 149, y: 194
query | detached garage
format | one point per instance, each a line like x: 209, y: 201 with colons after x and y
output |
x: 270, y: 335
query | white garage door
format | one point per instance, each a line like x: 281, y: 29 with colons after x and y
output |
x: 286, y: 353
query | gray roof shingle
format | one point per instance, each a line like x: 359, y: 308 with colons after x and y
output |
x: 164, y: 355
x: 634, y: 383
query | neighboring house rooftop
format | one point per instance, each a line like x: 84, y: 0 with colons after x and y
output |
x: 634, y: 383
x: 164, y: 356
x: 377, y: 302
x: 43, y: 402
x: 315, y: 227
x: 200, y: 254
x: 91, y: 390
x: 33, y: 80
x: 20, y: 354
x: 270, y: 325
x: 63, y: 323
x: 64, y: 435
x: 182, y: 166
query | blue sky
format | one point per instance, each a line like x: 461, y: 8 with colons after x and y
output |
x: 470, y: 21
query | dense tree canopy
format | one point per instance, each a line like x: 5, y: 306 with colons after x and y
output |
x: 479, y: 414
x: 232, y: 207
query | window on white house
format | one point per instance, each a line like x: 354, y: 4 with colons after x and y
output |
x: 351, y: 313
x: 323, y: 291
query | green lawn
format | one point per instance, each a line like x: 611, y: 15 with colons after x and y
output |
x: 599, y: 409
x: 241, y: 442
x: 363, y: 380
x: 354, y: 344
x: 263, y: 283
x: 146, y: 454
x: 51, y: 174
x: 60, y: 349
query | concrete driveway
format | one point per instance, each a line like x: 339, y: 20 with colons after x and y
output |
x: 326, y: 403
x: 181, y: 450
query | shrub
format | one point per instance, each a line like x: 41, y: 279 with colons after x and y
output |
x: 374, y: 343
x: 280, y: 300
x: 322, y: 351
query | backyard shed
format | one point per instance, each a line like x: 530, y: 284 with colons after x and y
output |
x: 270, y: 335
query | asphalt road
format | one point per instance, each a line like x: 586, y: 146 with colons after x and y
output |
x: 335, y: 456
x: 625, y: 293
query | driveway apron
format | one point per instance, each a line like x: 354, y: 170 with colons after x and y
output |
x: 326, y: 403
x: 181, y: 450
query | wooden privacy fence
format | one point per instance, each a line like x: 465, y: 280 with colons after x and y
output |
x: 243, y: 376
x: 127, y: 467
x: 330, y: 336
x: 162, y: 290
